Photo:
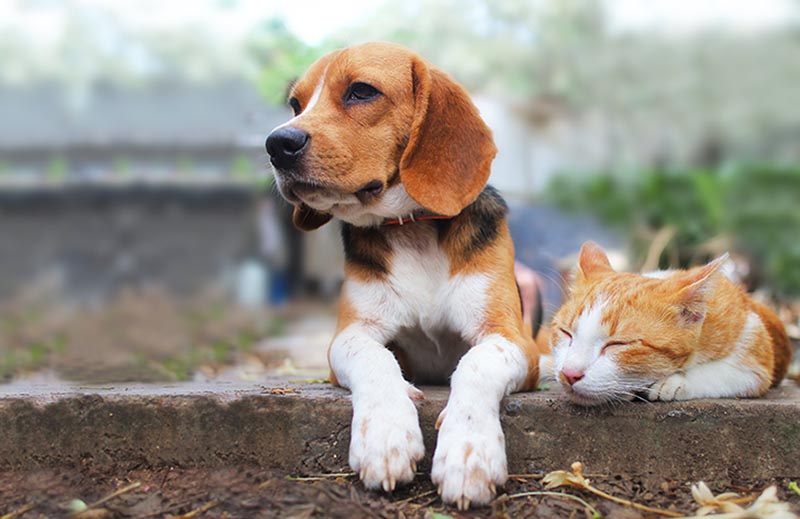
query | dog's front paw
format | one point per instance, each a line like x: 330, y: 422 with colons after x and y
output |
x: 673, y: 387
x: 470, y: 458
x: 386, y: 442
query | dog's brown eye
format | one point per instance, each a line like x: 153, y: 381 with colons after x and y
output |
x: 295, y: 104
x: 361, y: 92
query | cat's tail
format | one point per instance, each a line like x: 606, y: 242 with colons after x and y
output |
x: 781, y: 345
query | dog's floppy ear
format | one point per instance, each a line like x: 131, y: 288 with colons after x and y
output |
x: 307, y: 219
x: 450, y: 149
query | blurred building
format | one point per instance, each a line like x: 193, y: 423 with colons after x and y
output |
x: 177, y: 132
x: 112, y: 186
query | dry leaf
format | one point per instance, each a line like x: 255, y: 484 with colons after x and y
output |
x: 560, y: 478
x: 280, y: 390
x: 710, y: 503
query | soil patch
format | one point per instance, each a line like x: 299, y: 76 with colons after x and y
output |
x: 255, y: 493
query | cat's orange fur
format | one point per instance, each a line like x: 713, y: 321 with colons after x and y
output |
x: 671, y: 335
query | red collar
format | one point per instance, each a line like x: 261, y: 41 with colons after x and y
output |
x: 415, y: 218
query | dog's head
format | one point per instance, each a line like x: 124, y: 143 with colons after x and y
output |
x: 377, y: 133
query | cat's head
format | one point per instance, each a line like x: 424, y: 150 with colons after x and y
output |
x: 618, y: 332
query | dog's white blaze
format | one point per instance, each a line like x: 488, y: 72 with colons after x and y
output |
x: 311, y: 102
x: 315, y: 95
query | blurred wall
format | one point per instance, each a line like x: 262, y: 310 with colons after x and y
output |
x: 88, y: 242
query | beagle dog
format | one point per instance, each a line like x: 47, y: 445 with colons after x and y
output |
x: 396, y: 150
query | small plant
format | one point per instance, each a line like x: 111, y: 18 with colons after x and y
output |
x: 751, y: 208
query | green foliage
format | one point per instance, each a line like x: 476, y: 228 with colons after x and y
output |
x: 242, y: 168
x: 752, y: 207
x: 57, y: 169
x: 281, y: 58
x: 436, y: 515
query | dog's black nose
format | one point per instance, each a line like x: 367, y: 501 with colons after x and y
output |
x: 285, y: 145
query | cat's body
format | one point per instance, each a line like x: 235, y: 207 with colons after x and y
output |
x: 672, y: 335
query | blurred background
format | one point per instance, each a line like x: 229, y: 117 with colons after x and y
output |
x: 141, y: 238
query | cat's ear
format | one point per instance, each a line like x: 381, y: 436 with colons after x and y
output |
x: 694, y: 287
x: 592, y: 261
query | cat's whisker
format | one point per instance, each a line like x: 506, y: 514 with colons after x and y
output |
x: 635, y: 396
x: 633, y: 387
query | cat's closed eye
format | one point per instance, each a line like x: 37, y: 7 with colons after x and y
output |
x: 614, y: 344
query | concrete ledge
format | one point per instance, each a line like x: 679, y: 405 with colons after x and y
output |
x: 303, y: 428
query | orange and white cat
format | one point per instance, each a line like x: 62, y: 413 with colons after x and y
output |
x: 666, y: 335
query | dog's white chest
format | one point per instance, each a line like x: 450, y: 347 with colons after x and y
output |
x: 431, y: 315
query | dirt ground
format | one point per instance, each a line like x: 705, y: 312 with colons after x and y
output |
x: 255, y: 493
x: 148, y: 335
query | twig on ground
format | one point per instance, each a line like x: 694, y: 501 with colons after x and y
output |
x: 425, y: 503
x: 409, y: 499
x: 318, y: 477
x: 545, y: 493
x: 575, y: 478
x: 540, y: 476
x: 19, y: 511
x: 197, y: 511
x: 109, y: 497
x: 526, y: 476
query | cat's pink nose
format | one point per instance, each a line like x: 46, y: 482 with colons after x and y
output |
x: 572, y: 376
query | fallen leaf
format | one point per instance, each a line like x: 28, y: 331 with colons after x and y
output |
x: 280, y: 390
x: 711, y: 503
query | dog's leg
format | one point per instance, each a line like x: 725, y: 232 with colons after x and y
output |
x: 470, y: 458
x: 385, y: 437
